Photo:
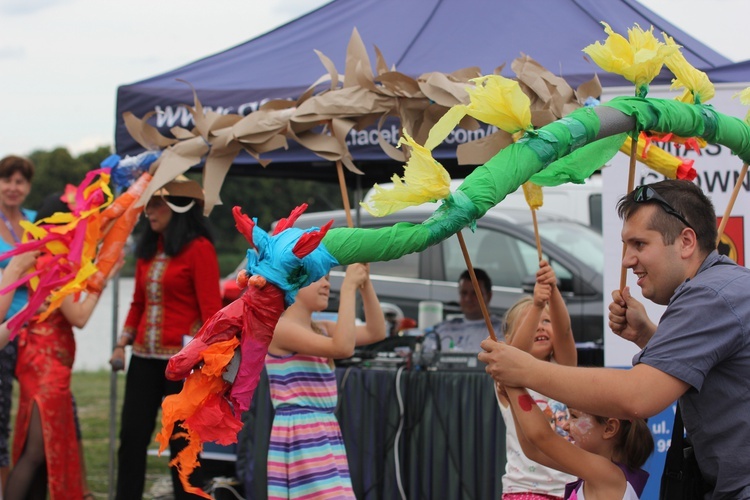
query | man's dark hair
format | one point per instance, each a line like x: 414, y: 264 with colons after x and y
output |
x: 182, y: 229
x: 688, y: 200
x: 482, y: 277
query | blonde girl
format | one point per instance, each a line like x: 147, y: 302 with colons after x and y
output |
x: 539, y: 325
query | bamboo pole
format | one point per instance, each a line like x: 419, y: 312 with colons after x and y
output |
x: 536, y: 235
x: 631, y: 186
x: 477, y: 290
x: 728, y: 211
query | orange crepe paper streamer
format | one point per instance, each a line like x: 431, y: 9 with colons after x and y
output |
x: 205, y: 414
x: 126, y: 199
x: 125, y: 214
x: 694, y: 143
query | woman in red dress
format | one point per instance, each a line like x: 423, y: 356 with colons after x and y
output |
x: 45, y: 446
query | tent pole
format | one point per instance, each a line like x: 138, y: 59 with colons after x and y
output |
x: 358, y: 195
x: 113, y: 388
x: 344, y: 193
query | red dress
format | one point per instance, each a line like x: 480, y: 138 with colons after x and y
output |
x: 46, y: 352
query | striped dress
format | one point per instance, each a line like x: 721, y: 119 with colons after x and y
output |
x: 306, y: 455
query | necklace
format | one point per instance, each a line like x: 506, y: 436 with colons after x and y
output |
x: 9, y: 225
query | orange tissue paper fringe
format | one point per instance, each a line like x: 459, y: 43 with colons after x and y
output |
x: 202, y: 410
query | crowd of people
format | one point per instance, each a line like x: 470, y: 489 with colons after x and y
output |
x: 571, y: 432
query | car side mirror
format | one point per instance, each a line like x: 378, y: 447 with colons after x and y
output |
x: 566, y: 285
x: 527, y: 285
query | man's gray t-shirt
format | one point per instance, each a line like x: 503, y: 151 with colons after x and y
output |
x: 703, y: 339
x: 461, y: 334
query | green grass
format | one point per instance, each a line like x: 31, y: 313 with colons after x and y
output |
x: 92, y: 393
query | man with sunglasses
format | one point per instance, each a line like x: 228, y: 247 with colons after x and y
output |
x: 700, y: 351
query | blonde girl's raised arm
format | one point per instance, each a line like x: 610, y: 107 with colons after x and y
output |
x: 294, y: 337
x: 563, y: 342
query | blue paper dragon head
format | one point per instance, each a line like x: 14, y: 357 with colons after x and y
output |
x: 290, y: 258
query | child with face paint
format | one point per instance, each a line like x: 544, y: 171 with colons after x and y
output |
x: 607, y: 455
x: 539, y: 325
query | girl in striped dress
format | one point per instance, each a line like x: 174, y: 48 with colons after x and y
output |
x: 306, y: 457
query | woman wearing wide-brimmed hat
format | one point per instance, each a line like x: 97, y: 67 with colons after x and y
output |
x: 176, y: 291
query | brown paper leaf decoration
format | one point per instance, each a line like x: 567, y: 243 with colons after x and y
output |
x: 321, y: 118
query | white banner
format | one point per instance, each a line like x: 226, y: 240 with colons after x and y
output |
x: 717, y: 170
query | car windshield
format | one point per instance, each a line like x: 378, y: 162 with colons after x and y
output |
x: 580, y: 241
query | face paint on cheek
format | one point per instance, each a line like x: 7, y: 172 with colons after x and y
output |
x: 525, y: 402
x: 582, y: 426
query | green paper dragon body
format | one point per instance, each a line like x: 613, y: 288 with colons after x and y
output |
x: 567, y: 150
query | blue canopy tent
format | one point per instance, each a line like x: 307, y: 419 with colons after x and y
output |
x: 416, y: 37
x: 730, y: 73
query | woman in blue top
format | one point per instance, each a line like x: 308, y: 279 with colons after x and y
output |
x: 15, y: 185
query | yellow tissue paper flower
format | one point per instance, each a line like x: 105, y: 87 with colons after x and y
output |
x: 500, y: 101
x: 745, y: 99
x: 533, y: 195
x: 424, y: 180
x: 639, y: 58
x: 494, y: 99
x: 698, y: 88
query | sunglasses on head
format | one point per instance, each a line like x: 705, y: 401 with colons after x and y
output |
x: 643, y: 194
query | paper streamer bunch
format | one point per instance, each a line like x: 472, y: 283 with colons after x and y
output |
x: 78, y: 248
x: 68, y: 243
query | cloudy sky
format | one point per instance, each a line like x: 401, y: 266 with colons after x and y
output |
x: 61, y: 61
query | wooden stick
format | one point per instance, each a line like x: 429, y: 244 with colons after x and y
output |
x: 631, y: 185
x: 344, y: 193
x: 536, y: 234
x: 477, y: 290
x: 728, y: 211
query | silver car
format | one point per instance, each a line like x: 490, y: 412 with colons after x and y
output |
x: 504, y: 245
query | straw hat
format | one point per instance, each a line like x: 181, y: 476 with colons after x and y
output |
x: 182, y: 187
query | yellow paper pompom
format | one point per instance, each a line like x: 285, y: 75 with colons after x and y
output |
x: 745, y: 99
x: 500, y: 101
x: 638, y: 59
x: 425, y: 180
x: 533, y: 195
x: 494, y: 99
x: 698, y: 88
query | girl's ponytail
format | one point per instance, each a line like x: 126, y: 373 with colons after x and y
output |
x: 636, y: 442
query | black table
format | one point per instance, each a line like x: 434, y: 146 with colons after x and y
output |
x: 450, y: 441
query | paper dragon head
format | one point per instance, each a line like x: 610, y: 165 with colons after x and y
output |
x: 289, y: 258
